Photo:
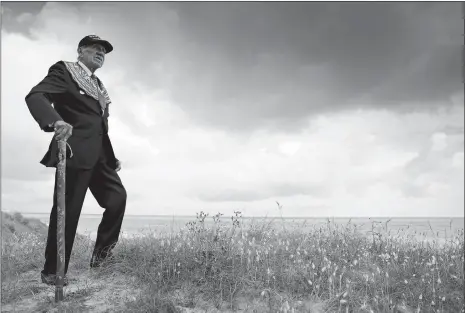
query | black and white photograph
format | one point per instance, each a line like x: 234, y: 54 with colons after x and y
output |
x: 232, y: 156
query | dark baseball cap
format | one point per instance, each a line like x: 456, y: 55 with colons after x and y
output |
x: 92, y: 39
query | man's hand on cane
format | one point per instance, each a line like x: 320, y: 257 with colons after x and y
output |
x: 63, y: 130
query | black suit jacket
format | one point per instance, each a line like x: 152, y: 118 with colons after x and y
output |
x: 72, y: 105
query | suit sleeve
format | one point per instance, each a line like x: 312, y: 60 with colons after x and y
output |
x: 39, y: 100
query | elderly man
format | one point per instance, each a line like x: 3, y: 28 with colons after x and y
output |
x: 73, y: 102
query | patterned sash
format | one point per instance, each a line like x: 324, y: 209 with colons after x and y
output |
x: 85, y: 82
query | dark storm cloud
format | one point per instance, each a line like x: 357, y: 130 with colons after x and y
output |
x: 248, y: 65
x: 15, y: 15
x: 259, y: 63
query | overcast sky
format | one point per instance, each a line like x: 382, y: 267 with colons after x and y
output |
x: 332, y: 109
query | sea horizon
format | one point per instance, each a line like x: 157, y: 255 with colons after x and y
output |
x: 136, y: 225
x: 30, y: 214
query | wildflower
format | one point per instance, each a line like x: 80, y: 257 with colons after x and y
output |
x: 420, y: 297
x: 406, y: 282
x: 285, y: 307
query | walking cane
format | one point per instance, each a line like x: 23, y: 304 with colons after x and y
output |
x: 61, y: 188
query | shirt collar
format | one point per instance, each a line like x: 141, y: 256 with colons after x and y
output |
x: 89, y: 72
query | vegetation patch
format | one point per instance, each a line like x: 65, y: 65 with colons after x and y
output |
x: 262, y: 267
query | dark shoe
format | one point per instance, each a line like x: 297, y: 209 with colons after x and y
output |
x: 50, y: 279
x: 97, y: 261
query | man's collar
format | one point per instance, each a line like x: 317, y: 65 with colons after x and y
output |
x: 89, y: 72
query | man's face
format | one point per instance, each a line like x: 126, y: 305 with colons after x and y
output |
x: 93, y: 56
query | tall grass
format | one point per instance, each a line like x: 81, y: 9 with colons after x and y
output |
x: 330, y: 268
x: 335, y: 265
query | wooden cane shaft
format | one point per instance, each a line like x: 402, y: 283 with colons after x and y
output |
x: 61, y: 189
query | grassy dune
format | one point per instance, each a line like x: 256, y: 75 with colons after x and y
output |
x: 264, y: 267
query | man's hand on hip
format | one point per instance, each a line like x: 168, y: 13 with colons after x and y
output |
x: 118, y: 166
x: 63, y: 130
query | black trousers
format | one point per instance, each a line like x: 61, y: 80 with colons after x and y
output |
x: 108, y: 190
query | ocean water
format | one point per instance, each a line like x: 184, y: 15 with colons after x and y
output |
x: 421, y: 228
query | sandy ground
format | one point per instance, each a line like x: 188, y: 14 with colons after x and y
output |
x: 92, y: 291
x: 87, y: 292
